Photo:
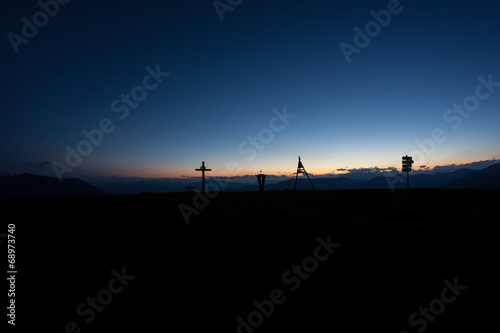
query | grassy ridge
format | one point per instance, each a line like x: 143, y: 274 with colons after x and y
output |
x: 396, y: 250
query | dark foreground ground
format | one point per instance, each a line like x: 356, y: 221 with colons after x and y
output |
x: 396, y: 250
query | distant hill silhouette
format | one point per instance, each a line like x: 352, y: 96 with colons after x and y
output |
x: 319, y: 183
x: 28, y: 185
x: 151, y: 186
x: 32, y: 185
x: 488, y: 178
x: 142, y: 186
x: 417, y: 180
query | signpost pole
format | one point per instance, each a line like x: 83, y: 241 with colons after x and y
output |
x: 407, y: 162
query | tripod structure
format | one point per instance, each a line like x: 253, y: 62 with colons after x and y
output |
x: 301, y: 169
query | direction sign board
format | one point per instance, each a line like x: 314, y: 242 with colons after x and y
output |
x: 407, y: 162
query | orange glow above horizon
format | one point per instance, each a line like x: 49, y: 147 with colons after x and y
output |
x: 222, y: 170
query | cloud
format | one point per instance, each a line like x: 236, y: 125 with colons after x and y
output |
x: 363, y: 173
x: 370, y: 170
x: 474, y: 165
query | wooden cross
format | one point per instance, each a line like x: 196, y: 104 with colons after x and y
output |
x: 203, y: 169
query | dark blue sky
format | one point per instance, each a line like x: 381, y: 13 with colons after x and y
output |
x: 86, y: 64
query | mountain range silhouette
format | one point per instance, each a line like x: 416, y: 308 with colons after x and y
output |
x: 27, y: 185
x: 487, y: 178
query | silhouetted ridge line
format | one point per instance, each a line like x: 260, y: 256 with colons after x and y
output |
x: 29, y: 185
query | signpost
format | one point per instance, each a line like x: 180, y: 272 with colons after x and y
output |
x: 407, y: 162
x: 203, y: 169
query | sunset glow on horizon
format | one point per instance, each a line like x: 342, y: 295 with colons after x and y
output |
x: 152, y: 90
